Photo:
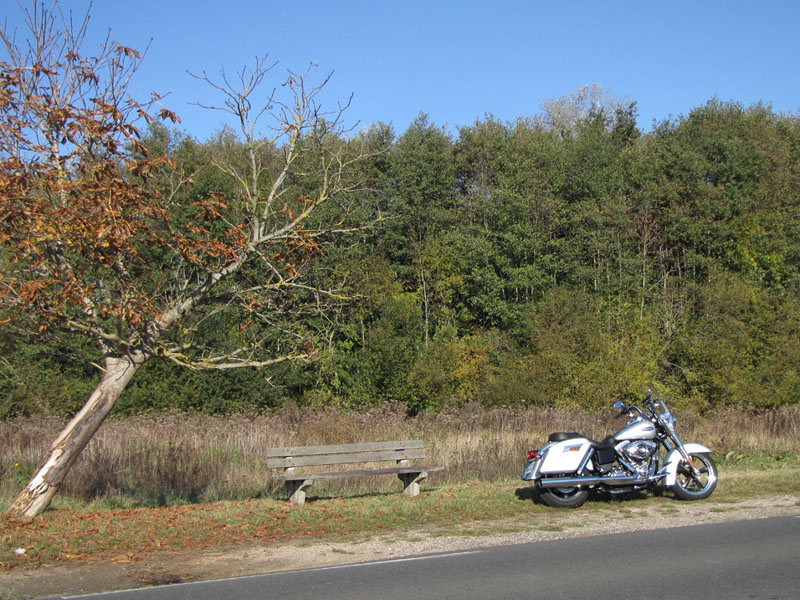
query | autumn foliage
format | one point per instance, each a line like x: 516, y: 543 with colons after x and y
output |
x: 99, y: 239
x: 77, y: 208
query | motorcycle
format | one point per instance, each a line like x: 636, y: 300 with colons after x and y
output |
x: 570, y: 465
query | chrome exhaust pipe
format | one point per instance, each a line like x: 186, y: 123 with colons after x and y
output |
x: 586, y: 481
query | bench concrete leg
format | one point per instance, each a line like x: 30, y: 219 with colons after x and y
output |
x: 297, y: 489
x: 411, y: 482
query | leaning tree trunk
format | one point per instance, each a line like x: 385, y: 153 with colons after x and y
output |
x: 36, y: 496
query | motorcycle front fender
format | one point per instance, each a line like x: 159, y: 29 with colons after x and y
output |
x: 674, y: 458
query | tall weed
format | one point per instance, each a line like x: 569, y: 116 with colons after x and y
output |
x: 173, y: 458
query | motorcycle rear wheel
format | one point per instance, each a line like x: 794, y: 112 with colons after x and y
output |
x: 564, y: 497
x: 690, y: 487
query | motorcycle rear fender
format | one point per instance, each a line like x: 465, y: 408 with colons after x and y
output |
x: 565, y: 456
x: 674, y: 458
x: 531, y: 471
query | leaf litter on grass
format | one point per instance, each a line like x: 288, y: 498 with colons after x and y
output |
x: 127, y: 535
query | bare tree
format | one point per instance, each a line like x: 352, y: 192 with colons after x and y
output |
x: 565, y: 113
x: 90, y: 241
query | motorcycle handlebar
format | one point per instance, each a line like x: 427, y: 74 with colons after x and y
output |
x: 648, y: 401
x: 628, y: 410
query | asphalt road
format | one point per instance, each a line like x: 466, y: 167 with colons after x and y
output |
x: 744, y: 559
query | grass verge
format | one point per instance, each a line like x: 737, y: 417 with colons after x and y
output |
x: 72, y: 534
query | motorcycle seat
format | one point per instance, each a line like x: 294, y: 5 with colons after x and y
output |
x: 604, y: 444
x: 563, y: 435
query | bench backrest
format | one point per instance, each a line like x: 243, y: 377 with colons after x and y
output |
x: 308, y: 456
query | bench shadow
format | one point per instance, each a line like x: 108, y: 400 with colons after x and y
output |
x: 333, y: 495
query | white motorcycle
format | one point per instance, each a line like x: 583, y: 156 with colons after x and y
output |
x: 570, y: 465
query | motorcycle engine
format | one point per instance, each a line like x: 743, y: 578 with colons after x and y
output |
x: 639, y: 451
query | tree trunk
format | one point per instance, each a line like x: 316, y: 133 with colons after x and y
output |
x: 36, y: 496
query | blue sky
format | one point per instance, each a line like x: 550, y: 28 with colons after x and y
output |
x: 458, y: 61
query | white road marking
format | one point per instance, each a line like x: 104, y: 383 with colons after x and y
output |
x: 277, y: 573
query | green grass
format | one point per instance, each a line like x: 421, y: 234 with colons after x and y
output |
x: 740, y: 481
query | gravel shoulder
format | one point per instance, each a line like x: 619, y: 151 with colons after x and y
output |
x: 165, y: 568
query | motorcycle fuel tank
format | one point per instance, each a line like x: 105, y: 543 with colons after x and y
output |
x: 638, y: 430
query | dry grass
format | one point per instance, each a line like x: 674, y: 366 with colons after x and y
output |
x: 175, y: 458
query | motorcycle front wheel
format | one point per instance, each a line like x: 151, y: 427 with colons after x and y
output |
x: 689, y: 486
x: 571, y: 497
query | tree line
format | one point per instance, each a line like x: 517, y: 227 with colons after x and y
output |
x: 544, y: 261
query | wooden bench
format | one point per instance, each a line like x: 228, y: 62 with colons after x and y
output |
x: 401, y: 453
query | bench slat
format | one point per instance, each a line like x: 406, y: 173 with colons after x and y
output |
x: 358, y: 473
x: 342, y: 448
x: 340, y: 459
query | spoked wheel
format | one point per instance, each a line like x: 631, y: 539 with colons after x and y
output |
x: 567, y: 497
x: 691, y: 486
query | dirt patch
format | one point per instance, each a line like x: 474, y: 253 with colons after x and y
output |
x: 175, y: 567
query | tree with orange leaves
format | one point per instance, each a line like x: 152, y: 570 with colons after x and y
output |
x: 89, y: 239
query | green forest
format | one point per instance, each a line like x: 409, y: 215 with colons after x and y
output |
x: 526, y: 263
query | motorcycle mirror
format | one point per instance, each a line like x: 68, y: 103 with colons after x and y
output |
x: 619, y: 405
